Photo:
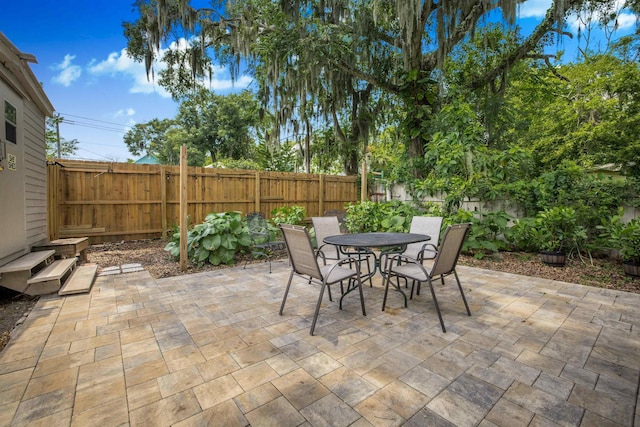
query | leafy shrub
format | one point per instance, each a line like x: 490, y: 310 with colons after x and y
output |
x: 522, y: 235
x: 557, y: 229
x: 369, y: 216
x: 488, y: 234
x: 288, y: 215
x: 623, y: 236
x: 216, y: 240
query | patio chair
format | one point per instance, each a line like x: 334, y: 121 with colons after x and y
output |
x: 262, y: 244
x: 429, y: 225
x: 304, y: 264
x: 341, y: 215
x: 324, y: 226
x: 444, y: 264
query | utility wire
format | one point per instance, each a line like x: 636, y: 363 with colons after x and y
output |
x: 121, y: 128
x: 93, y: 120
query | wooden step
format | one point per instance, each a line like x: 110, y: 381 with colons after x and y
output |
x: 80, y: 280
x: 50, y: 279
x: 27, y: 261
x: 14, y: 275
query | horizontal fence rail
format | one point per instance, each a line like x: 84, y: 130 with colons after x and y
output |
x: 127, y: 201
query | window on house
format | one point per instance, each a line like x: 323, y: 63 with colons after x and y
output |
x: 10, y: 122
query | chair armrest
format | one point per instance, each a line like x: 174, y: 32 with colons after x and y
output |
x: 427, y: 248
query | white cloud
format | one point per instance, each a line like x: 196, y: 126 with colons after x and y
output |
x: 626, y: 21
x: 533, y: 8
x: 69, y: 72
x: 538, y: 9
x: 119, y: 63
x: 128, y: 112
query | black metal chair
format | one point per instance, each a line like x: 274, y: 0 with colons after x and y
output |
x: 444, y: 264
x: 304, y: 264
x: 262, y: 244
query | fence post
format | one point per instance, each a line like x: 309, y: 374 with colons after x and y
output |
x: 257, y: 207
x: 321, y: 191
x: 52, y: 201
x: 184, y: 171
x: 163, y: 200
x: 364, y: 192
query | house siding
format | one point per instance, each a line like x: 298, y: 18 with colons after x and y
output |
x: 35, y: 174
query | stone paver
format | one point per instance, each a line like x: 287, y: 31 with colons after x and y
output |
x: 211, y: 349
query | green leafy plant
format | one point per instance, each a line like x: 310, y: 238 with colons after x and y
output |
x: 522, y: 235
x: 216, y: 240
x: 288, y: 215
x: 488, y: 233
x: 624, y: 237
x: 556, y: 229
x: 369, y: 216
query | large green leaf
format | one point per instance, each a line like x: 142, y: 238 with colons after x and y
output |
x: 229, y: 241
x: 212, y: 242
x: 214, y: 258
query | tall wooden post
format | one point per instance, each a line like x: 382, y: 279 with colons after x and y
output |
x: 258, y: 190
x: 364, y: 192
x: 321, y: 191
x: 163, y: 200
x: 183, y: 208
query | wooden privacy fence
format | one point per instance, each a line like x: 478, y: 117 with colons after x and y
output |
x: 127, y: 201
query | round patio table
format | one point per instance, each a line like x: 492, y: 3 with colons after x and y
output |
x: 389, y: 243
x: 376, y: 240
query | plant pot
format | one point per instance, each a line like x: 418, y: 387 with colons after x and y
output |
x: 554, y: 258
x: 631, y: 268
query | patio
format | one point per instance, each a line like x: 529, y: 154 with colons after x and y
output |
x: 211, y: 349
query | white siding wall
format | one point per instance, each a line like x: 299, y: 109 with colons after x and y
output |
x: 35, y: 174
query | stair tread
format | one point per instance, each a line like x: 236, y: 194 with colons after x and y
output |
x: 53, y: 271
x: 80, y: 281
x: 26, y: 261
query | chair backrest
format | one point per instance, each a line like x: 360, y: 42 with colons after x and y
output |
x: 301, y: 253
x: 450, y: 249
x: 326, y: 226
x: 342, y: 218
x: 258, y: 227
x: 429, y: 225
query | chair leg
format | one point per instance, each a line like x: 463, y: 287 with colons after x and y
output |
x: 386, y: 290
x: 464, y: 299
x: 318, y: 304
x: 435, y: 300
x: 364, y: 311
x: 286, y: 292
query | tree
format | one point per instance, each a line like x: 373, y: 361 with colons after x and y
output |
x: 67, y: 147
x: 322, y: 58
x: 591, y: 115
x: 220, y: 125
x: 148, y: 138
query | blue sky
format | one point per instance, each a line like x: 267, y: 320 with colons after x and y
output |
x: 84, y: 69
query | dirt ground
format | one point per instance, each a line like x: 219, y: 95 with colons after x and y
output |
x: 606, y: 273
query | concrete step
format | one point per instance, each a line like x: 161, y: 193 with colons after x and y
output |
x: 80, y: 281
x: 15, y: 274
x: 50, y: 279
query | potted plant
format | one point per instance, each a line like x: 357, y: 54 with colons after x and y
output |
x: 626, y: 238
x: 557, y: 233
